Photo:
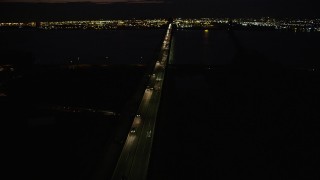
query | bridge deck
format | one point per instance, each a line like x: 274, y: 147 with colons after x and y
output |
x: 134, y: 159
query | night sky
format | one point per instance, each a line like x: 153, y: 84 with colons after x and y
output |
x: 63, y: 1
x: 156, y: 8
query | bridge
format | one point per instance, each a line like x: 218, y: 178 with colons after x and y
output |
x: 134, y: 158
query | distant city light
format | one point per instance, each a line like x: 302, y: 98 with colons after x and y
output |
x: 297, y: 25
x: 96, y: 25
x: 301, y: 25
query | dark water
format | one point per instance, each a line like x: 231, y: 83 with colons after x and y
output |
x: 60, y: 47
x: 239, y: 122
x: 69, y: 145
x: 189, y: 46
x: 221, y: 47
x: 220, y: 124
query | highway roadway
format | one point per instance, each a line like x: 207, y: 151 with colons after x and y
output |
x: 134, y: 159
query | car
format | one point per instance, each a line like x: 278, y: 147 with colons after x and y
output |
x: 133, y: 130
x: 149, y: 89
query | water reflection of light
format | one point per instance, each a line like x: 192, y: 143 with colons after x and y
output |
x: 206, y: 33
x: 206, y: 36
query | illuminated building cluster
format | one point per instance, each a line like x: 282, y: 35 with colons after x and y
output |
x: 96, y: 25
x: 105, y: 24
x: 201, y: 22
x: 18, y: 24
x: 310, y: 25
